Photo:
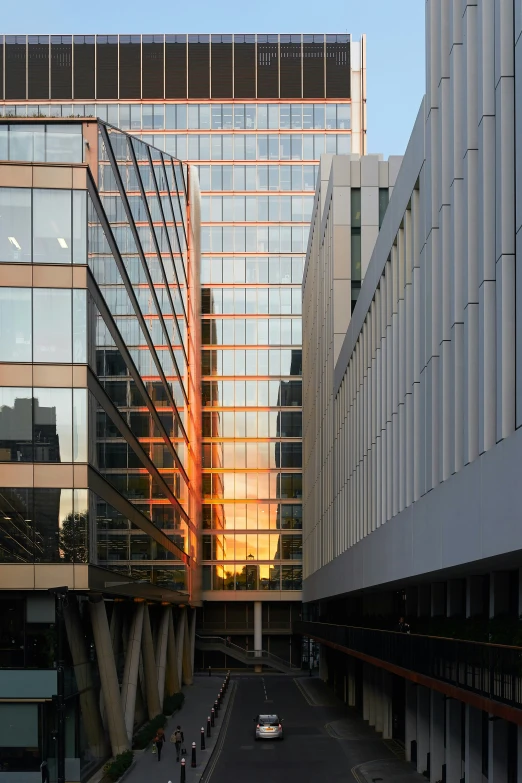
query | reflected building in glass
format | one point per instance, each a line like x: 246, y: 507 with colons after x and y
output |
x: 100, y: 428
x: 254, y: 112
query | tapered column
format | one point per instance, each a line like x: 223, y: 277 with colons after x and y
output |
x: 386, y: 705
x: 180, y: 639
x: 172, y: 683
x: 131, y: 671
x: 82, y: 669
x: 108, y: 676
x: 453, y: 740
x: 187, y: 678
x: 161, y: 651
x: 423, y: 728
x: 116, y: 632
x: 149, y: 668
x: 498, y: 750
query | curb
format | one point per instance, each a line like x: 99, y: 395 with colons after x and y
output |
x: 222, y: 728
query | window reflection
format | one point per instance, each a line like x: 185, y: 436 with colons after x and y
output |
x: 15, y: 224
x: 15, y: 324
x: 52, y: 223
x: 52, y: 325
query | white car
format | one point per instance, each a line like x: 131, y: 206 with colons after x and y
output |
x: 268, y: 727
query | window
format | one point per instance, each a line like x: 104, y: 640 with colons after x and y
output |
x: 383, y: 203
x: 52, y: 226
x: 15, y: 425
x: 15, y: 325
x: 52, y: 325
x: 15, y: 224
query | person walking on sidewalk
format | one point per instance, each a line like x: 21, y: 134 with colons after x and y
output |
x: 178, y: 739
x: 158, y: 741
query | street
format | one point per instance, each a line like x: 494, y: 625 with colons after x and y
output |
x: 321, y: 742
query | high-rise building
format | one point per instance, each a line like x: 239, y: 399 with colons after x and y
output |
x: 99, y: 440
x: 414, y: 442
x: 255, y: 112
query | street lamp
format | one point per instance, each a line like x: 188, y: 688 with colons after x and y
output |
x: 59, y: 595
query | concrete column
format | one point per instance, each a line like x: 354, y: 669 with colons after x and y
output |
x: 192, y: 630
x: 498, y: 593
x: 161, y: 651
x: 519, y: 752
x: 351, y: 685
x: 386, y: 706
x: 473, y: 744
x: 129, y: 685
x: 108, y: 677
x: 410, y: 717
x: 366, y: 693
x: 323, y: 663
x: 258, y: 626
x: 436, y: 735
x: 423, y: 728
x: 90, y: 711
x: 116, y: 631
x: 171, y: 675
x: 372, y: 696
x: 498, y: 750
x: 453, y: 740
x: 149, y: 668
x: 438, y: 606
x: 473, y: 596
x: 455, y: 598
x: 187, y: 657
x: 180, y: 639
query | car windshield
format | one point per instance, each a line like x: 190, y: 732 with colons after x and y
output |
x: 268, y: 720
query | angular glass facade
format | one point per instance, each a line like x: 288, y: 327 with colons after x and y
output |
x: 126, y: 318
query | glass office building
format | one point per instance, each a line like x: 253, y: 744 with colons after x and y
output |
x: 255, y: 112
x: 100, y: 474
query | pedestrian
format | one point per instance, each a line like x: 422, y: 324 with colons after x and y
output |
x: 209, y: 671
x: 44, y: 769
x: 158, y: 741
x: 402, y: 626
x: 178, y: 739
x: 229, y: 641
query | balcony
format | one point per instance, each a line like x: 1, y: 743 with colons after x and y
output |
x: 490, y: 672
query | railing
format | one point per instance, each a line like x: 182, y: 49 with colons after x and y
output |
x: 248, y: 655
x: 241, y: 625
x: 491, y: 670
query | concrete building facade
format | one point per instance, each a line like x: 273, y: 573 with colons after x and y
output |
x: 412, y: 500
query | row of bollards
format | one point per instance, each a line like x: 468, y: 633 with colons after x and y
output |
x: 211, y: 722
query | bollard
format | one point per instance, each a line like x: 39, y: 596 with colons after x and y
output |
x: 209, y: 733
x: 216, y: 708
x: 212, y: 717
x: 193, y: 761
x: 202, y: 738
x: 182, y: 772
x: 209, y: 671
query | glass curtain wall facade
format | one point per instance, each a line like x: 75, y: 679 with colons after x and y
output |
x: 255, y: 112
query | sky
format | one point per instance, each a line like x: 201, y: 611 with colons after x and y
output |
x: 394, y: 39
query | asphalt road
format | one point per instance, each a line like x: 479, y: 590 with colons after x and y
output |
x: 310, y: 752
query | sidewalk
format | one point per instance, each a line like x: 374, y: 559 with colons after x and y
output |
x: 199, y: 699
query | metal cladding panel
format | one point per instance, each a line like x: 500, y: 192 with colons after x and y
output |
x: 244, y: 70
x: 130, y: 70
x: 37, y: 70
x: 198, y: 70
x: 84, y: 70
x: 267, y: 70
x: 313, y: 70
x: 106, y: 70
x: 15, y: 69
x: 1, y: 66
x: 221, y: 70
x: 153, y: 67
x: 290, y: 66
x: 61, y: 70
x: 175, y: 70
x: 338, y: 70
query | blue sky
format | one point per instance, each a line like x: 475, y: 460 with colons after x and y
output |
x: 395, y: 39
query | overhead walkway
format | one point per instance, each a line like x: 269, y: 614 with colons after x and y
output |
x: 248, y: 657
